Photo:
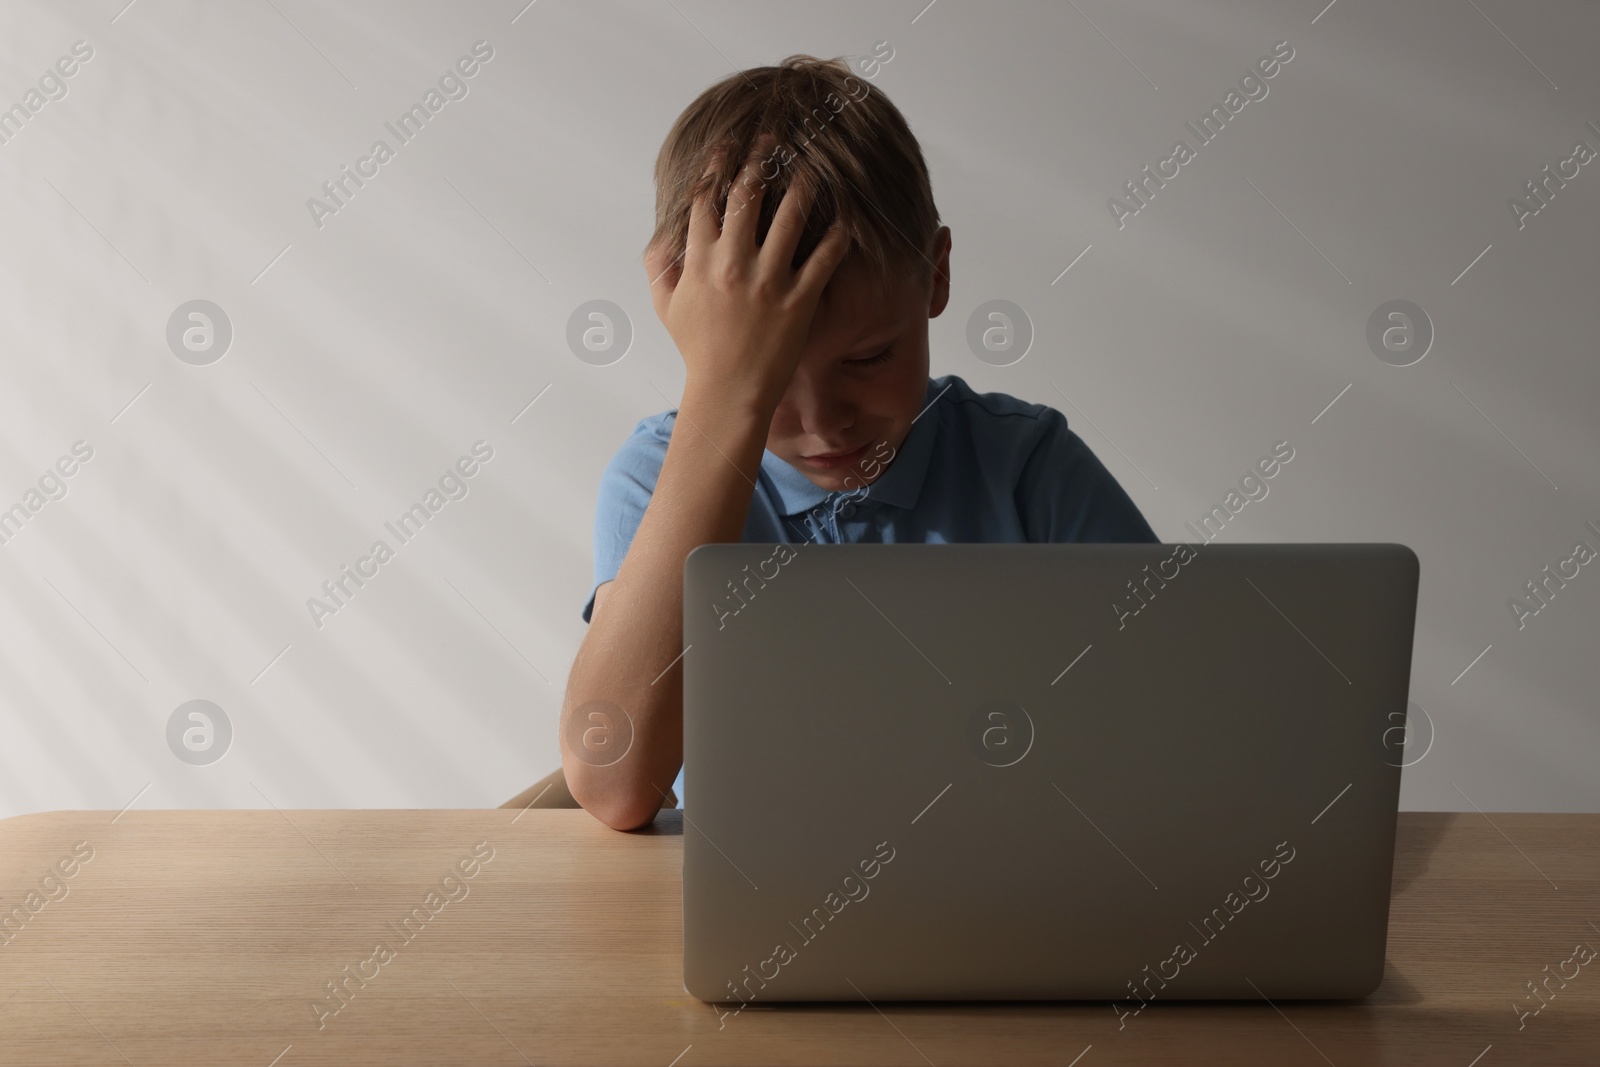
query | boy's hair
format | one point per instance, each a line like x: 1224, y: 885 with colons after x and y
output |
x: 806, y: 120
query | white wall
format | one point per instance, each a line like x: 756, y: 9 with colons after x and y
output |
x: 372, y: 351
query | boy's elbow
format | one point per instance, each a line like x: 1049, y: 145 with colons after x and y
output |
x: 620, y: 808
x: 631, y: 813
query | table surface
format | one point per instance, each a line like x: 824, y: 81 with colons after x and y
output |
x: 162, y: 937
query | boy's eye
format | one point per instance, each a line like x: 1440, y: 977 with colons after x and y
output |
x: 879, y: 358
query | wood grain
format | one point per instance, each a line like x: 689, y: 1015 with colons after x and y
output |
x: 206, y: 937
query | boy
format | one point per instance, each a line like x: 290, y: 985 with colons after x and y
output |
x: 796, y: 260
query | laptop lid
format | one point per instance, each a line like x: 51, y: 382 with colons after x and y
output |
x: 1042, y: 771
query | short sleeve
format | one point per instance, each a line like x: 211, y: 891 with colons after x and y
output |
x: 626, y: 486
x: 1066, y: 494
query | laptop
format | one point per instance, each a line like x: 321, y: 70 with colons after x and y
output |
x: 1041, y: 771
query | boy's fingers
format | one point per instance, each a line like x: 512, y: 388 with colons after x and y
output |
x: 825, y: 258
x: 703, y: 225
x: 744, y: 207
x: 788, y: 223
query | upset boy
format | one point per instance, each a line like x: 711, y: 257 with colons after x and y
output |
x: 796, y: 260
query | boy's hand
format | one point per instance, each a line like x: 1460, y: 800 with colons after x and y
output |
x: 737, y: 312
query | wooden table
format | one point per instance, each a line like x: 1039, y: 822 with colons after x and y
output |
x: 211, y: 936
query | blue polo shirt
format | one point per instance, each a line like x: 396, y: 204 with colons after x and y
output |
x: 974, y: 467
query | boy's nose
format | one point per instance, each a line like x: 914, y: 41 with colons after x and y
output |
x: 829, y: 422
x: 822, y: 410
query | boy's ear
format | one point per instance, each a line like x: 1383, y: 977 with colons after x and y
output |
x: 940, y: 295
x: 662, y: 273
x: 661, y: 268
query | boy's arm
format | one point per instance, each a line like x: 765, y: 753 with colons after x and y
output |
x: 702, y: 496
x: 739, y: 315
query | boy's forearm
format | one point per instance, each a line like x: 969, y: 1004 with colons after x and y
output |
x: 702, y: 496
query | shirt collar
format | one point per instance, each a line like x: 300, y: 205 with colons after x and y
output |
x: 899, y: 484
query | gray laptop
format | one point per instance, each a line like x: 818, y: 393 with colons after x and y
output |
x: 1041, y: 771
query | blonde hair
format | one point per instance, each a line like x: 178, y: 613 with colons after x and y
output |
x: 805, y: 120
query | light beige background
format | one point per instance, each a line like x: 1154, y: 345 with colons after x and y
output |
x: 370, y: 353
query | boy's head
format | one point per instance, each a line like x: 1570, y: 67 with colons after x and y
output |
x: 813, y: 121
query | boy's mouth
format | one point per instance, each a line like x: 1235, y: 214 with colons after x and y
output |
x: 831, y: 460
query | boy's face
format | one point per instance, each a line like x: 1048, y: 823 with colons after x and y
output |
x: 839, y: 402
